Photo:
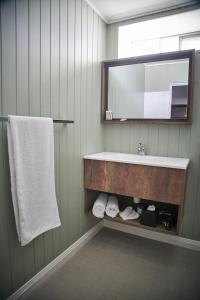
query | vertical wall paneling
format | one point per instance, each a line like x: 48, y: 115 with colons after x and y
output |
x: 9, y: 103
x: 83, y: 97
x: 153, y: 139
x: 89, y: 75
x: 173, y: 140
x: 35, y: 94
x: 34, y: 57
x: 22, y: 101
x: 123, y: 137
x: 45, y: 58
x: 70, y: 111
x: 46, y: 106
x: 22, y: 56
x: 190, y: 226
x: 112, y: 41
x: 93, y: 106
x: 45, y: 92
x: 89, y: 93
x: 77, y: 114
x: 5, y: 254
x: 134, y: 138
x: 100, y: 52
x: 184, y: 142
x: 55, y: 103
x: 50, y: 66
x: 64, y: 188
x: 196, y: 220
x: 163, y: 139
x: 50, y: 52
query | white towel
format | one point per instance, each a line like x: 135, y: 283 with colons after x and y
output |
x: 129, y: 214
x: 112, y: 207
x: 132, y: 216
x: 31, y: 158
x: 99, y: 206
x: 124, y: 214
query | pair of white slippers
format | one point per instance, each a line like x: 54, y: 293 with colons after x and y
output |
x: 129, y: 214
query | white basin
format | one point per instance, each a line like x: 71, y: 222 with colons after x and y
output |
x: 148, y: 160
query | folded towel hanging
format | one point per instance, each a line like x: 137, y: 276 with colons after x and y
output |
x: 112, y: 207
x: 31, y: 159
x: 99, y: 206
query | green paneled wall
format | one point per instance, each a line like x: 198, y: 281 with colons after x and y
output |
x: 178, y: 141
x: 50, y: 54
x: 49, y: 66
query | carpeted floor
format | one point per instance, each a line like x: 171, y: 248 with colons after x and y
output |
x: 119, y: 266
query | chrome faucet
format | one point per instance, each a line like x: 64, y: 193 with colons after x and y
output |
x: 141, y: 149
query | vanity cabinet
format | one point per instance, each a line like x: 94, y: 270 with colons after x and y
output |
x: 149, y: 182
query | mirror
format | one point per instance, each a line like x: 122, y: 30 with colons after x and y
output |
x: 155, y: 88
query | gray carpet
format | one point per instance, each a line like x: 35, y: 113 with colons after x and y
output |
x: 115, y: 265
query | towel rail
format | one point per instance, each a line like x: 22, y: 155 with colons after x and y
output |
x: 5, y: 119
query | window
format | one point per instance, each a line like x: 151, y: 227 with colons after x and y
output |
x: 171, y: 33
x: 169, y: 43
x: 145, y: 47
x: 190, y: 42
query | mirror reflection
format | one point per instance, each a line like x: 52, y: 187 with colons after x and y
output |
x: 153, y: 90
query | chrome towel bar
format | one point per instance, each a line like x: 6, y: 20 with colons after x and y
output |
x: 5, y: 119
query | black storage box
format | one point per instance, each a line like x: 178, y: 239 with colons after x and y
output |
x: 168, y: 219
x: 149, y: 218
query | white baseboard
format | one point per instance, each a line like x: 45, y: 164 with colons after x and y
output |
x: 58, y: 261
x: 161, y: 237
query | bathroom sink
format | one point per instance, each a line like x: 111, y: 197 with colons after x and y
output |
x: 148, y: 160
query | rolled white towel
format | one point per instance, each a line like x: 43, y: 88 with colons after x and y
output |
x: 124, y: 214
x: 99, y: 206
x: 112, y: 207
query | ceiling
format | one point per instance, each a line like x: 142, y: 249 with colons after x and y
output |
x: 117, y: 10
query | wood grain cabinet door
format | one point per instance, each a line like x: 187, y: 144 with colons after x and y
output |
x: 153, y: 183
x: 97, y: 175
x: 147, y: 182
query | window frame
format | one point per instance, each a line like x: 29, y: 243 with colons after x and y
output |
x: 180, y: 37
x: 189, y: 34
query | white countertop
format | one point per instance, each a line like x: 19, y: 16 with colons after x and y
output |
x: 148, y: 160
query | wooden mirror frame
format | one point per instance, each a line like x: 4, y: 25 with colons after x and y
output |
x: 146, y: 59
